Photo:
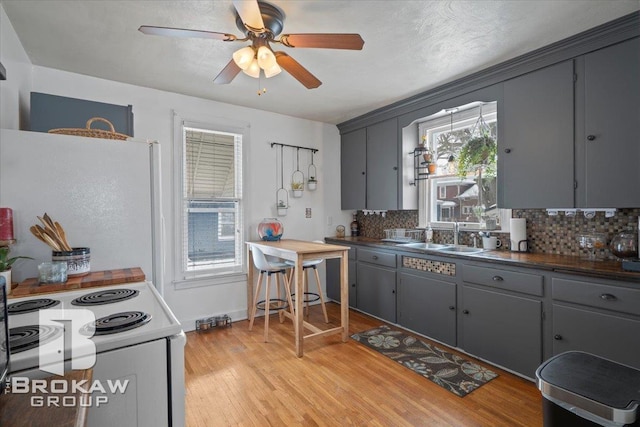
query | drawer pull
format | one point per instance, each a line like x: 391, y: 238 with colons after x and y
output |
x: 452, y: 307
x: 608, y: 297
x: 497, y: 278
x: 465, y: 311
x: 374, y: 257
x: 557, y: 337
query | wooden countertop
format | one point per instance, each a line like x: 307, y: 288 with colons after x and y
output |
x: 608, y: 269
x: 95, y: 278
x: 18, y: 410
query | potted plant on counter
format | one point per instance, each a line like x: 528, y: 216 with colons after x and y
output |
x: 6, y: 263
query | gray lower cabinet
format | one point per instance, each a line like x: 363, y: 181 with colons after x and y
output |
x: 333, y: 278
x: 333, y: 281
x: 504, y: 329
x: 596, y: 316
x: 376, y: 293
x: 427, y: 306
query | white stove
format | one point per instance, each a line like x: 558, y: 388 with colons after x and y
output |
x: 137, y: 338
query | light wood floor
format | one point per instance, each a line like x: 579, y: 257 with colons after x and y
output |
x: 233, y: 378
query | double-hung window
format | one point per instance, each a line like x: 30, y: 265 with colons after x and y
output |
x: 211, y: 204
x: 451, y: 194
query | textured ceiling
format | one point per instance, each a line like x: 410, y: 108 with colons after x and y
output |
x: 410, y: 46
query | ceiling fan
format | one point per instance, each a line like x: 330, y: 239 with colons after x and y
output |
x: 262, y: 23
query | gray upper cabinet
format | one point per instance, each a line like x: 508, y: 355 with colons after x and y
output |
x: 535, y: 150
x: 573, y: 144
x: 353, y: 167
x: 382, y: 165
x: 610, y: 141
x: 369, y: 167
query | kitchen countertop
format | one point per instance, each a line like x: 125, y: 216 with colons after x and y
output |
x: 608, y: 269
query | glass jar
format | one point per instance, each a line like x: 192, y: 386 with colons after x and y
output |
x: 270, y: 229
x: 625, y: 245
x: 594, y: 244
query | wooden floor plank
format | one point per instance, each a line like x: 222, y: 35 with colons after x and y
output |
x: 233, y: 378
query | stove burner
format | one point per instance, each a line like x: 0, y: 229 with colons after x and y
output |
x: 117, y: 322
x: 31, y: 305
x: 23, y: 338
x: 105, y: 297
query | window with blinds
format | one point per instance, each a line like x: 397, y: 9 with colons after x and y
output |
x: 211, y: 203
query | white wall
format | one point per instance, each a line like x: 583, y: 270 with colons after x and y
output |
x: 153, y: 119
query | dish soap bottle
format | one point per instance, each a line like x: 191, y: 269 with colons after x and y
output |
x: 428, y: 234
x: 355, y: 227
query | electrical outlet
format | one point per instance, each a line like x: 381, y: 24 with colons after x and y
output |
x: 307, y: 213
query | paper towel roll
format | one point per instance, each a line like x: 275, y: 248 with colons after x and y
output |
x: 518, y: 234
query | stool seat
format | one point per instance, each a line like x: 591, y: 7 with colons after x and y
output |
x: 305, y: 264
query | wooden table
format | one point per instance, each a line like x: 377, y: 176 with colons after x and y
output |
x: 299, y: 251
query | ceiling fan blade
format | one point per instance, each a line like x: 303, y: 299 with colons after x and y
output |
x: 249, y: 12
x: 184, y: 33
x: 227, y: 74
x: 297, y: 71
x: 327, y: 41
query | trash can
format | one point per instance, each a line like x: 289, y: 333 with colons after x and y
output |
x: 581, y: 389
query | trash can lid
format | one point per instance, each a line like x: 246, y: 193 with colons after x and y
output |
x: 578, y: 378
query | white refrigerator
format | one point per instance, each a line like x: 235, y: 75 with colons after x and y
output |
x: 105, y: 194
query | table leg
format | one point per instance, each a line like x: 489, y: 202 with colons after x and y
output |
x: 249, y: 280
x: 344, y: 296
x: 298, y: 315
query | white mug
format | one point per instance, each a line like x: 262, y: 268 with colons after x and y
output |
x: 491, y: 242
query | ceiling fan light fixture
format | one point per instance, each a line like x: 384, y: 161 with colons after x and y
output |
x: 253, y: 69
x: 244, y: 57
x: 272, y: 71
x: 266, y: 58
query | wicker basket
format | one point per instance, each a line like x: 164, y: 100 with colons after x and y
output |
x: 92, y: 133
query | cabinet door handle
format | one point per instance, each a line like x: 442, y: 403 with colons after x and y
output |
x: 497, y: 278
x: 465, y: 311
x: 353, y: 285
x: 395, y: 168
x: 507, y: 150
x: 591, y: 138
x: 557, y: 337
x: 393, y: 291
x: 363, y: 173
x: 452, y: 307
x: 608, y: 297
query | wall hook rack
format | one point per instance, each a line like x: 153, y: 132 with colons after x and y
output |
x: 313, y: 150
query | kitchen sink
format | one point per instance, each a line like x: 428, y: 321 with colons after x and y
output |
x: 424, y: 245
x: 463, y: 249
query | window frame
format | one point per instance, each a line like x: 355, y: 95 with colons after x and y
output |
x: 429, y: 186
x: 183, y: 278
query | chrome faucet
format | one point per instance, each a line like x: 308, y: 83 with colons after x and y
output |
x: 456, y: 232
x: 474, y: 236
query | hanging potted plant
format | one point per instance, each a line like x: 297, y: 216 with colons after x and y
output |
x: 6, y: 263
x: 312, y: 183
x: 477, y: 154
x: 297, y: 187
x: 282, y: 208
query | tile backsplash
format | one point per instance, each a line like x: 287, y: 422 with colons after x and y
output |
x: 546, y: 234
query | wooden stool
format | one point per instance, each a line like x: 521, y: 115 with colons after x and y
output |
x: 268, y: 268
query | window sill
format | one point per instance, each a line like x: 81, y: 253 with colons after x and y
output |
x: 211, y: 280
